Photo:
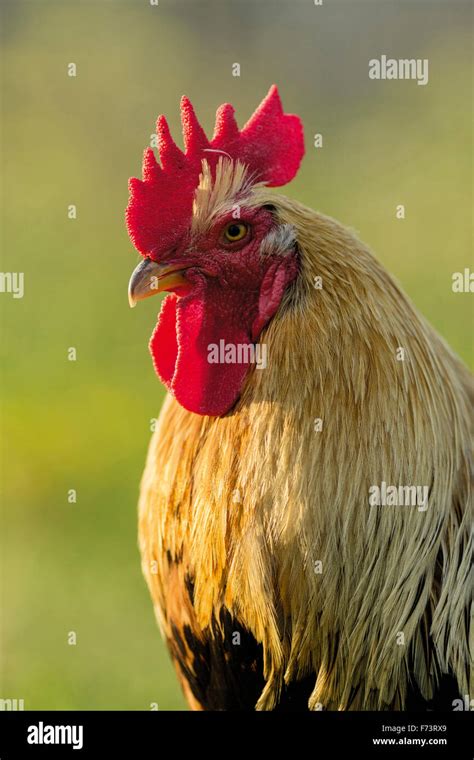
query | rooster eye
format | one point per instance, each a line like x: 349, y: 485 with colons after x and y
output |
x: 235, y: 231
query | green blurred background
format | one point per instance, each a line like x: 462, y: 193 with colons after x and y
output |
x: 86, y: 424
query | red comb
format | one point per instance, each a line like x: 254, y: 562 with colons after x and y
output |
x: 160, y: 205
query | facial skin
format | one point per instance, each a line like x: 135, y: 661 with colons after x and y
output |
x: 211, y: 253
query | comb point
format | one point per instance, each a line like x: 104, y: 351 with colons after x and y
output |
x: 226, y: 126
x: 195, y: 139
x: 171, y: 157
x: 150, y: 167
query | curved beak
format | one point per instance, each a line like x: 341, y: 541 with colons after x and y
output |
x: 150, y: 278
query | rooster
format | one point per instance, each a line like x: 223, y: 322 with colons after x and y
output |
x: 278, y: 581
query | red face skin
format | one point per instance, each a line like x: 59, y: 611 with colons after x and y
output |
x: 232, y: 294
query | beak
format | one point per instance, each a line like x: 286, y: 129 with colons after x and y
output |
x: 150, y: 278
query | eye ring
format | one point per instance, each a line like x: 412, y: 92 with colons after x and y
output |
x: 234, y: 232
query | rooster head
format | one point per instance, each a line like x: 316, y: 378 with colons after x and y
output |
x: 209, y: 241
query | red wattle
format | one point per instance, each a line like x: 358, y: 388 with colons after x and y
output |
x: 163, y: 343
x: 210, y: 315
x: 186, y: 328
